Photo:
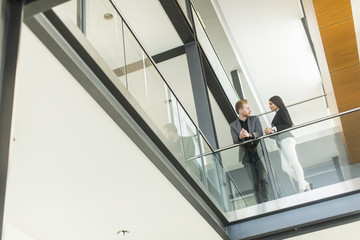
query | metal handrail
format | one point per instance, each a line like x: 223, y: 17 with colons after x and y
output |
x: 294, y: 104
x: 290, y: 129
x: 155, y: 66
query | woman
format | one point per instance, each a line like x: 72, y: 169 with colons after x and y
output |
x: 286, y: 142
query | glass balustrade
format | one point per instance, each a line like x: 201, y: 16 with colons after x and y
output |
x: 133, y: 69
x: 321, y: 154
x: 311, y: 153
x: 223, y: 173
x: 304, y: 111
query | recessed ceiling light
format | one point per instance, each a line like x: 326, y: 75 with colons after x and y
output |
x: 123, y: 232
x: 108, y: 16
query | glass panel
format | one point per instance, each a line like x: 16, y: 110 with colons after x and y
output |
x: 304, y: 112
x: 159, y: 104
x: 144, y: 82
x: 313, y: 154
x: 215, y: 62
x: 302, y: 157
x: 191, y: 142
x: 103, y: 29
x: 68, y: 11
x: 172, y: 130
x: 213, y: 180
x: 237, y: 199
x: 302, y: 160
x: 246, y: 166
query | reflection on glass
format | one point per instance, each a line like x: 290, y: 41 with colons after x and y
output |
x: 212, y: 179
x: 319, y: 146
x: 321, y: 154
x: 103, y: 29
x: 68, y: 11
x: 215, y: 62
x: 247, y: 181
x: 189, y: 131
x: 144, y: 82
x: 304, y: 111
x: 237, y: 199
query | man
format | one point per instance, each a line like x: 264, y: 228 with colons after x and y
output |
x: 184, y: 147
x: 245, y: 128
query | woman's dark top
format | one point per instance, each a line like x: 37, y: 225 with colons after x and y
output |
x: 282, y: 121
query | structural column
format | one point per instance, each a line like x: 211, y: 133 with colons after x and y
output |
x: 201, y: 97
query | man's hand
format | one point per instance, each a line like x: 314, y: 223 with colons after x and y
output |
x: 244, y: 134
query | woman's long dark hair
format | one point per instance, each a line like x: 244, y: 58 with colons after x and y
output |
x: 280, y: 104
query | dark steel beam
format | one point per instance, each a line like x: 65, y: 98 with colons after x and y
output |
x: 218, y: 91
x: 299, y: 217
x: 33, y: 7
x: 172, y: 53
x: 186, y: 33
x: 11, y: 19
x: 200, y: 94
x: 136, y: 66
x: 178, y: 19
x: 236, y: 80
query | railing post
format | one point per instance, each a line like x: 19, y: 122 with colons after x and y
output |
x: 269, y: 169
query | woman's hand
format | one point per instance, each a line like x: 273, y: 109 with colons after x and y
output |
x: 268, y: 131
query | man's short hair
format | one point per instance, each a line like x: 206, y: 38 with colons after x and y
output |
x: 240, y: 104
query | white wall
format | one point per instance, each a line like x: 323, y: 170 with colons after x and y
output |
x: 269, y: 38
x: 74, y: 174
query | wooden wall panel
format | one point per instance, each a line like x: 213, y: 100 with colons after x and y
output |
x: 329, y: 12
x: 339, y: 41
x: 337, y: 31
x: 346, y: 84
x: 350, y: 125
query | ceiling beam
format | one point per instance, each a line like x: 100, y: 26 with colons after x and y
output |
x: 217, y: 90
x: 179, y: 20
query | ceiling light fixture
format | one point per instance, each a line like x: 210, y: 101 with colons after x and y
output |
x: 108, y: 16
x: 124, y: 232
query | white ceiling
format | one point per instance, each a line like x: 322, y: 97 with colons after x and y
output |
x: 270, y: 43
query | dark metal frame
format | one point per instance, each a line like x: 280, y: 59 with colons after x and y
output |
x: 314, y: 216
x: 11, y: 23
x: 292, y: 128
x: 237, y: 83
x: 197, y: 56
x: 81, y: 16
